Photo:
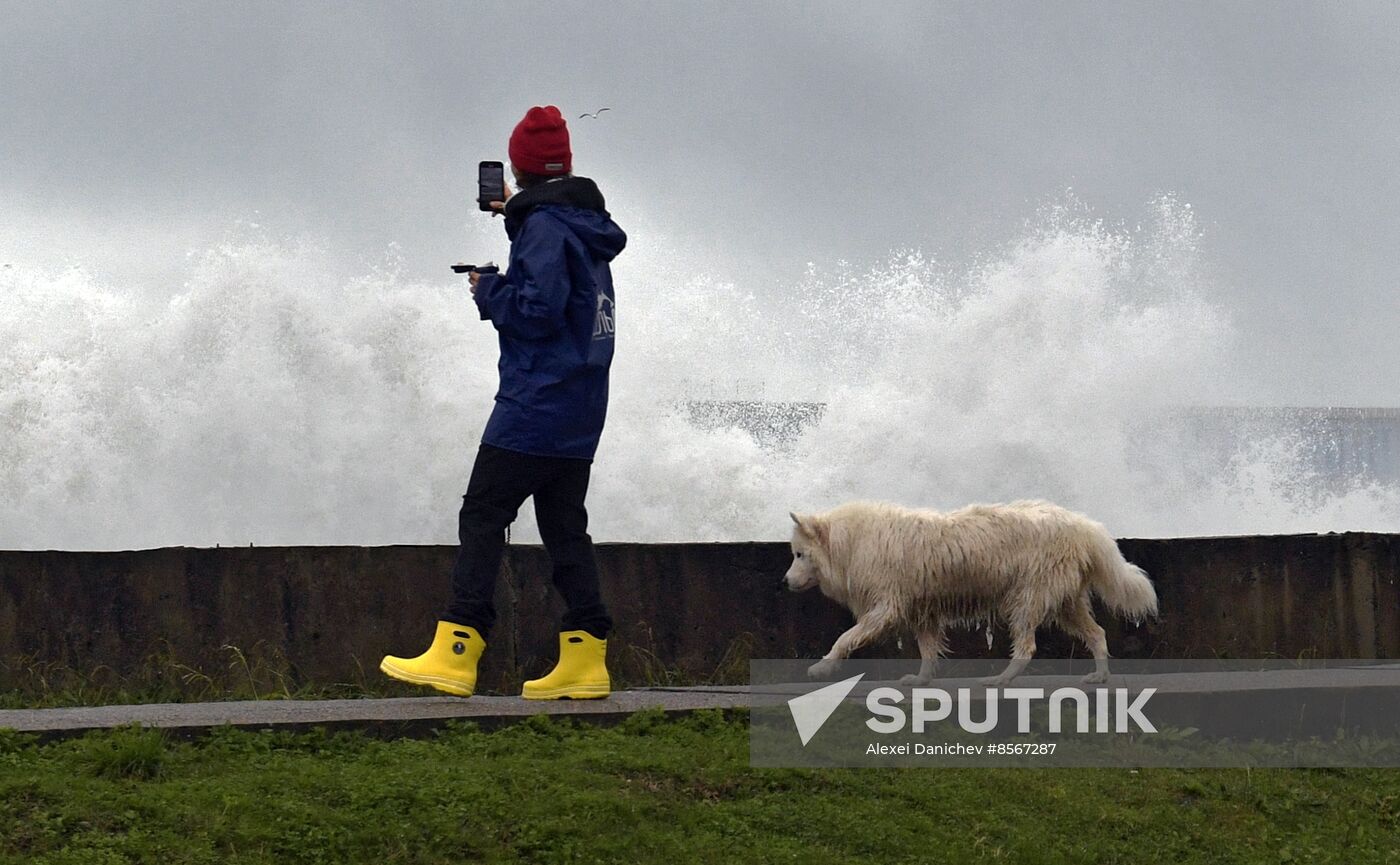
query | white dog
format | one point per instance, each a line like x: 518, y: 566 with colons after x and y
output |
x: 1026, y: 563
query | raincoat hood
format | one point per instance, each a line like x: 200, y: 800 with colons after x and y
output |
x: 578, y: 204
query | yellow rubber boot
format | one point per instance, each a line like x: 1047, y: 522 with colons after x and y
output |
x: 581, y: 674
x: 449, y: 664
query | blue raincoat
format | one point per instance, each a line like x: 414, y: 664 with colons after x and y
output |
x: 554, y: 311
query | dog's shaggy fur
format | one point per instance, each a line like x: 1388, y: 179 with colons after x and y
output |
x: 1026, y: 563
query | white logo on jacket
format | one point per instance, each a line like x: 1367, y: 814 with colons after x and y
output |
x: 603, y: 325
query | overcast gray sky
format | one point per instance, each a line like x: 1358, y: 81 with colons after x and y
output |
x: 771, y: 133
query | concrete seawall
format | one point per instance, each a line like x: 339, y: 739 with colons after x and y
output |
x: 327, y: 614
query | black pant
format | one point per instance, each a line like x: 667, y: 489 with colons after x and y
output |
x: 501, y: 481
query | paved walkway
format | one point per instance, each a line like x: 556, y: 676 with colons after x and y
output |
x: 402, y: 715
x: 418, y: 715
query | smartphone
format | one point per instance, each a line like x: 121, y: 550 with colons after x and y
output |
x: 490, y: 184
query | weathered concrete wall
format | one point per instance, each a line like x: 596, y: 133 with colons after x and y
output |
x: 327, y: 614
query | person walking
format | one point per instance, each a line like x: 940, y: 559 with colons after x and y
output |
x: 553, y: 309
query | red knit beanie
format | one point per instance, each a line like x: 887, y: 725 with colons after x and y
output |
x: 540, y: 143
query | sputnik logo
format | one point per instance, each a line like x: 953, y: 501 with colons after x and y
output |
x: 811, y: 711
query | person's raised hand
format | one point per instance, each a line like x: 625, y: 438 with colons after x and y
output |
x: 500, y: 206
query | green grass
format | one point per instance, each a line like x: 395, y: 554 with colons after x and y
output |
x: 261, y: 672
x: 650, y: 790
x: 257, y: 673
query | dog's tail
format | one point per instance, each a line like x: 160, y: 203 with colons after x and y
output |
x: 1120, y: 583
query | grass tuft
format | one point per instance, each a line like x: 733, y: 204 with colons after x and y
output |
x: 133, y: 752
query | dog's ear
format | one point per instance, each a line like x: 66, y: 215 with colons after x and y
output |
x: 803, y: 523
x: 813, y: 527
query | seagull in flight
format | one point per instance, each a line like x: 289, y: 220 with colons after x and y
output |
x: 595, y: 114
